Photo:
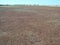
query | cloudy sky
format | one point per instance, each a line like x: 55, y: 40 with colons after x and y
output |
x: 40, y: 2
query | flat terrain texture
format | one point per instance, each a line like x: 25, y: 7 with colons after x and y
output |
x: 29, y: 25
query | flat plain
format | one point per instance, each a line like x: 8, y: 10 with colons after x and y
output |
x: 29, y: 25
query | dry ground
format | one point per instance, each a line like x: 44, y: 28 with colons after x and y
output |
x: 29, y: 25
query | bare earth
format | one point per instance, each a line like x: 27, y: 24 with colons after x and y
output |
x: 29, y: 25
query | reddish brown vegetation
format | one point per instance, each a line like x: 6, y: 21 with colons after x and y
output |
x: 25, y: 25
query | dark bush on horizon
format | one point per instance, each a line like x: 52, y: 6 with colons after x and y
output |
x: 3, y: 5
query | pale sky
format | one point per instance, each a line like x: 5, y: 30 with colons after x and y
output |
x: 40, y: 2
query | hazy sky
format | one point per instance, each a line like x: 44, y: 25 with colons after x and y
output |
x: 40, y: 2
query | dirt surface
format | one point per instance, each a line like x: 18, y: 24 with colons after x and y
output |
x: 29, y: 25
